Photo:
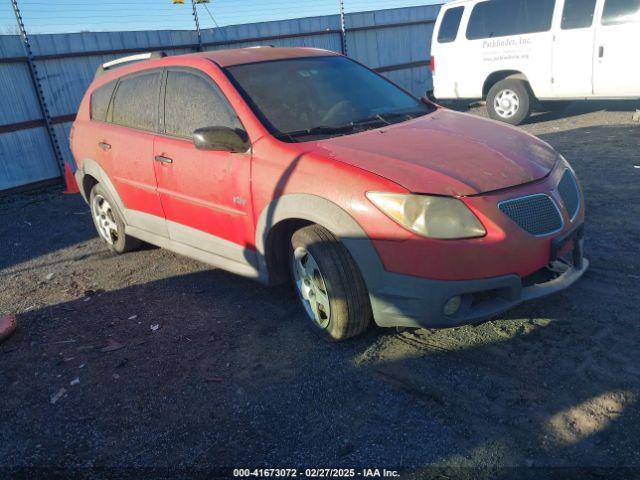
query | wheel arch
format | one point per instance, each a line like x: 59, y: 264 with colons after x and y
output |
x: 500, y: 75
x: 284, y: 215
x: 92, y: 173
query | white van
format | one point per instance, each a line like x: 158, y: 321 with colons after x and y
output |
x: 513, y: 52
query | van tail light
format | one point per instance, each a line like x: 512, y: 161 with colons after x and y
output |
x: 432, y: 64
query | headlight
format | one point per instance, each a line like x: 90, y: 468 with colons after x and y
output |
x: 433, y: 217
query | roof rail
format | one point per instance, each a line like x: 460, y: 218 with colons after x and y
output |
x: 119, y: 62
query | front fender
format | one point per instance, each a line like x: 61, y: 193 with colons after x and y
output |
x: 331, y: 216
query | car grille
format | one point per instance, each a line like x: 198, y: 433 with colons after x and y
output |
x: 536, y: 214
x: 568, y: 189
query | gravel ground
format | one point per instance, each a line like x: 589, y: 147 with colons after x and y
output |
x: 151, y: 360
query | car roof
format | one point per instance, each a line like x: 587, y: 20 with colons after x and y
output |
x: 240, y: 56
x: 223, y: 58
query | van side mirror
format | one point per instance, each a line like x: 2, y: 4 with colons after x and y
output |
x: 223, y: 139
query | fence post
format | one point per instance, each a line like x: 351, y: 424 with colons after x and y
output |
x: 343, y: 30
x: 197, y: 21
x: 33, y: 71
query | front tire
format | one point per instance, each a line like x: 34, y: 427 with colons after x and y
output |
x: 329, y: 284
x: 509, y: 101
x: 109, y: 223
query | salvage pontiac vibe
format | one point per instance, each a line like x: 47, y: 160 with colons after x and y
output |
x: 301, y: 164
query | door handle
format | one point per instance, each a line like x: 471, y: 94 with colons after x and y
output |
x: 104, y: 146
x: 163, y: 159
x: 601, y: 52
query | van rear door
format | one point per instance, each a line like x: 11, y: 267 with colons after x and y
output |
x: 616, y: 66
x: 573, y: 49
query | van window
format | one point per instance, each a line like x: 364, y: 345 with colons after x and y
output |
x: 136, y: 101
x: 578, y: 14
x: 193, y: 102
x: 100, y: 99
x: 621, y: 11
x: 499, y: 18
x: 450, y: 24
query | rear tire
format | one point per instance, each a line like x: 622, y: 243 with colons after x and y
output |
x: 509, y: 101
x: 329, y: 284
x: 108, y: 222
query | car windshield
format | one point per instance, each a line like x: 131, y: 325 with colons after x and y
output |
x: 305, y: 98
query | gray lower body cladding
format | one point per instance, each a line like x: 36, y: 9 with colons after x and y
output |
x: 415, y: 302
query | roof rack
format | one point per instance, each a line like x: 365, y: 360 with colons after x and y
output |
x: 119, y: 62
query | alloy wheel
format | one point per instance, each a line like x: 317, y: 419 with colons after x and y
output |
x: 105, y: 219
x: 311, y: 287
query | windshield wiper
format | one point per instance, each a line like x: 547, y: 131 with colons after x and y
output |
x: 385, y: 117
x: 371, y: 122
x: 320, y: 130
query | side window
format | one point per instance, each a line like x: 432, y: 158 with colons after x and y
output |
x: 499, y: 18
x: 578, y: 14
x: 450, y: 24
x: 621, y: 11
x: 193, y: 102
x: 136, y: 101
x: 100, y: 99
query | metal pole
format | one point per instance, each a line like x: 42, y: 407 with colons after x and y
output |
x: 343, y: 30
x: 33, y: 71
x: 195, y: 19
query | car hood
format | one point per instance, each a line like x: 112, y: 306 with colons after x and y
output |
x: 446, y: 153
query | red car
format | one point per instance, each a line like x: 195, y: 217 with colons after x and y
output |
x: 299, y: 163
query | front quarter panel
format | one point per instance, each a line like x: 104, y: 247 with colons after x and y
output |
x: 281, y: 169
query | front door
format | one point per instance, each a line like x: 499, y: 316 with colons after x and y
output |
x: 573, y: 49
x: 205, y: 194
x: 616, y: 68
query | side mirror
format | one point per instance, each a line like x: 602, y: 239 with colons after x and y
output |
x: 221, y: 139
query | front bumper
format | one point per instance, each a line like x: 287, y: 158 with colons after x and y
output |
x: 415, y: 302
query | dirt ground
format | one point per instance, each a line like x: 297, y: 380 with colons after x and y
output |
x: 151, y: 360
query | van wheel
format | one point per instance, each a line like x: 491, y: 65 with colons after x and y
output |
x: 509, y: 101
x: 329, y: 284
x: 109, y: 223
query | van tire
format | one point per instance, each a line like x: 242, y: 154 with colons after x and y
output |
x: 120, y: 242
x: 513, y: 91
x: 339, y: 277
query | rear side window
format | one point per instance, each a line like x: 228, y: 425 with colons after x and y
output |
x: 193, y: 102
x: 578, y: 14
x: 621, y: 11
x: 100, y: 99
x: 450, y: 24
x: 136, y: 101
x: 499, y: 18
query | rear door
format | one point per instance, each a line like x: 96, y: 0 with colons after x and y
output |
x: 616, y: 68
x: 205, y: 194
x: 573, y: 49
x: 134, y: 117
